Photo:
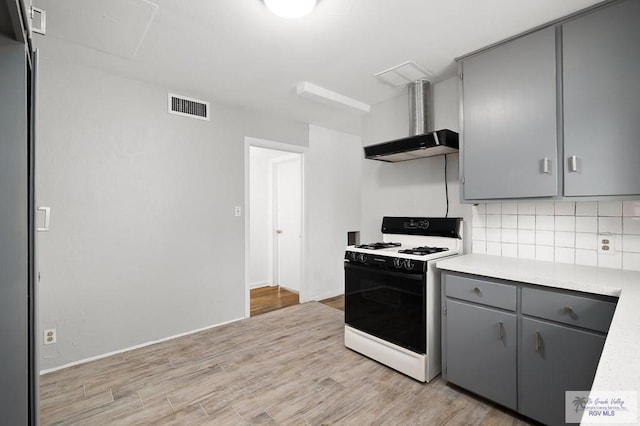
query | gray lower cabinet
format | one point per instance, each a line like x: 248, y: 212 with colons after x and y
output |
x: 521, y: 345
x: 601, y: 64
x: 482, y: 351
x: 555, y: 359
x: 509, y: 118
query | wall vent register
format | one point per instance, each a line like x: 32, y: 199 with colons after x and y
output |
x: 188, y: 107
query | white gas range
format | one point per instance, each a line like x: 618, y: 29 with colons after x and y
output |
x: 392, y: 293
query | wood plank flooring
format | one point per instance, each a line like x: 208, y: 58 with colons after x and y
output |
x: 287, y: 367
x: 271, y: 298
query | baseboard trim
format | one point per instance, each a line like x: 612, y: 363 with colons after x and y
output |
x: 131, y: 348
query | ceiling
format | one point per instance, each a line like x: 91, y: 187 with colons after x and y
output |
x: 236, y: 52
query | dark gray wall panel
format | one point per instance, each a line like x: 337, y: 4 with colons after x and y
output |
x: 13, y: 235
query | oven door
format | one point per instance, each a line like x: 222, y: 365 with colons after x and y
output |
x: 387, y: 304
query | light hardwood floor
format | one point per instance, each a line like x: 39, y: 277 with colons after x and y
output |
x: 271, y: 298
x: 287, y: 367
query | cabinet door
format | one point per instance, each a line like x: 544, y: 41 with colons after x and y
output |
x: 481, y: 351
x: 555, y: 359
x: 509, y: 120
x: 601, y: 65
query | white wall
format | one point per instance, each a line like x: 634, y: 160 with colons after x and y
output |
x: 332, y: 190
x: 144, y: 243
x: 416, y: 187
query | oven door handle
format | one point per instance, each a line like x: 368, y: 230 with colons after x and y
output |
x: 415, y: 277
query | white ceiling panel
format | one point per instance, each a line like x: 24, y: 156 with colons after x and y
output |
x: 116, y: 27
x: 236, y: 52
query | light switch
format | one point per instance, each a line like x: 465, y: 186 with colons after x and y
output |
x: 238, y: 211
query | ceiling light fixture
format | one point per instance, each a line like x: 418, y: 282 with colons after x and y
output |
x: 290, y: 9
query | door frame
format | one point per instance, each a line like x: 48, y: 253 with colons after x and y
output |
x: 296, y: 149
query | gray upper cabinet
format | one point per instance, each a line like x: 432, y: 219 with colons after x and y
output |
x: 554, y: 113
x: 509, y: 120
x: 601, y: 66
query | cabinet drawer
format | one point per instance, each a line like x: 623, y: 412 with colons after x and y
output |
x: 578, y: 310
x: 480, y: 291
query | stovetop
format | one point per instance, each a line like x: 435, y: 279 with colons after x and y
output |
x: 416, y: 250
x: 416, y: 238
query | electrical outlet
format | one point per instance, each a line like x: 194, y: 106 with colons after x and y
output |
x: 238, y: 211
x: 50, y: 336
x: 605, y: 244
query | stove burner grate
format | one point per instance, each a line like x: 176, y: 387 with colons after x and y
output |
x: 378, y: 246
x: 422, y: 251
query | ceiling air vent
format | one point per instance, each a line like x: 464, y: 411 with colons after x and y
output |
x: 188, y: 107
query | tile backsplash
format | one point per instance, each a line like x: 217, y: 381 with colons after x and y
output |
x: 566, y: 232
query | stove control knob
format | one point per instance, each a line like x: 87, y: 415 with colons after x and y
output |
x: 353, y: 256
x: 362, y: 257
x: 408, y: 264
x: 397, y: 262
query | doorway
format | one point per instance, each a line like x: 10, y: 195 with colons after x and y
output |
x: 274, y: 196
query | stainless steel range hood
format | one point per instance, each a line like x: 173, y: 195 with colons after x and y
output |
x: 422, y: 142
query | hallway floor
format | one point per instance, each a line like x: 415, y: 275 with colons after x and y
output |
x: 271, y: 298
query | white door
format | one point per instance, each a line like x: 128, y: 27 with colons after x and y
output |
x: 288, y: 223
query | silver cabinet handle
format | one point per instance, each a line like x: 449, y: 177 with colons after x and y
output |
x: 47, y: 219
x: 477, y: 290
x: 568, y: 310
x: 500, y: 330
x: 536, y: 342
x: 546, y: 165
x: 573, y: 163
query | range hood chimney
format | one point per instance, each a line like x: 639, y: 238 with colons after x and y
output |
x: 422, y: 140
x: 420, y: 120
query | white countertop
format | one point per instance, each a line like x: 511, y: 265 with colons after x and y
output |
x: 619, y: 367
